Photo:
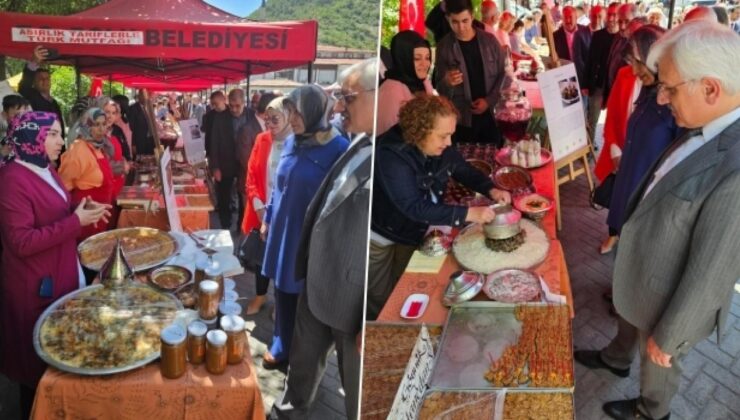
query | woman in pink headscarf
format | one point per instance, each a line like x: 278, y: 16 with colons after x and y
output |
x: 38, y: 226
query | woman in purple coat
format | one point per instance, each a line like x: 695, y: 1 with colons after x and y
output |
x: 306, y: 159
x: 38, y: 228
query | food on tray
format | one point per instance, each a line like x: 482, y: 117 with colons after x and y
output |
x: 472, y: 253
x: 482, y: 166
x: 102, y: 328
x: 199, y: 201
x: 542, y: 357
x: 480, y: 323
x: 187, y: 296
x: 458, y: 405
x: 512, y: 178
x: 462, y: 348
x: 538, y: 405
x: 143, y: 247
x: 512, y: 286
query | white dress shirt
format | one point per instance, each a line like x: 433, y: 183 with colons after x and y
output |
x: 708, y: 132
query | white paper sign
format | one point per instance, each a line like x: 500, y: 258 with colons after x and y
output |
x: 168, y: 189
x: 76, y: 36
x: 194, y: 141
x: 410, y: 394
x: 566, y: 120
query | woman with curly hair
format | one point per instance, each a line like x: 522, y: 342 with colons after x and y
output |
x: 413, y: 163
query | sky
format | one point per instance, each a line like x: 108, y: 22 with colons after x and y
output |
x: 236, y: 7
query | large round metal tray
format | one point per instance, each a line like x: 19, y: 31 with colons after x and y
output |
x: 139, y: 259
x: 90, y: 371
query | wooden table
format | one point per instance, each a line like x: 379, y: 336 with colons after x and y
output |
x: 553, y: 270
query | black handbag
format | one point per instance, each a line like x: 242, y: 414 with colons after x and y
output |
x: 601, y: 196
x: 252, y: 251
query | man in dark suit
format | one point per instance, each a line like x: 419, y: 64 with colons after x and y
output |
x: 332, y: 257
x: 572, y: 42
x: 677, y: 259
x: 217, y: 105
x: 595, y: 76
x: 142, y: 139
x: 231, y: 142
x: 620, y: 45
x: 35, y: 85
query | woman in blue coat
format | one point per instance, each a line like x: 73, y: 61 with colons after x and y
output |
x: 306, y: 159
x: 650, y: 128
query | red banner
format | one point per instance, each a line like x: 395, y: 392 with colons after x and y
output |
x: 412, y: 16
x: 96, y: 87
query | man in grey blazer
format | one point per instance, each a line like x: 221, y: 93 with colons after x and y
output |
x: 677, y: 261
x: 333, y: 258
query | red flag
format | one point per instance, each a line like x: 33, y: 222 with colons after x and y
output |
x: 96, y: 88
x: 412, y: 16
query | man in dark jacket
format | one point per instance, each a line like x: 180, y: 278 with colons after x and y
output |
x: 231, y: 142
x: 572, y: 42
x: 594, y: 80
x: 35, y: 85
x: 469, y: 70
x: 142, y: 139
x: 218, y: 105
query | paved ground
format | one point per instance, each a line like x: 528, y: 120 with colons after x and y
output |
x: 710, y: 385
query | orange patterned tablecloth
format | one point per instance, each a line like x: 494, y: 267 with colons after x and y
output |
x: 145, y: 394
x: 553, y: 270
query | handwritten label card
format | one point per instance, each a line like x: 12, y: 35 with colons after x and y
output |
x: 410, y: 394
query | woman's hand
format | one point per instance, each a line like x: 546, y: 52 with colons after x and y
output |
x: 89, y: 212
x: 483, y: 214
x: 500, y: 196
x: 263, y: 231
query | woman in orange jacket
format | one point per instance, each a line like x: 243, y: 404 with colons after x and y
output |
x: 260, y: 178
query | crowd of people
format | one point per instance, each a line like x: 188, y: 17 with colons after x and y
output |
x: 286, y: 160
x: 670, y: 149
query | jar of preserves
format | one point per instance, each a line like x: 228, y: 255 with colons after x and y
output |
x: 216, y: 352
x: 173, y: 351
x: 236, y: 341
x: 512, y: 113
x: 214, y: 273
x: 229, y: 307
x: 200, y: 270
x: 208, y: 299
x: 197, y: 342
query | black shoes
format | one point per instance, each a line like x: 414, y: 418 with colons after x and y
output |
x: 592, y: 360
x: 627, y: 410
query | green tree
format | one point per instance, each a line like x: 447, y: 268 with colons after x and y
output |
x: 64, y: 90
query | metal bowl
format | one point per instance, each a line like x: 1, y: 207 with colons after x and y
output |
x: 512, y: 178
x: 506, y: 223
x: 169, y: 277
x: 481, y: 165
x: 464, y: 285
x: 436, y: 244
x: 534, y: 206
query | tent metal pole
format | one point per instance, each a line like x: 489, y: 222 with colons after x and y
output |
x: 310, y: 72
x: 249, y: 82
x: 77, y: 76
x: 110, y: 85
x: 671, y: 8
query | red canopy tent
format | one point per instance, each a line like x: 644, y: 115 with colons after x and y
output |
x: 162, y: 44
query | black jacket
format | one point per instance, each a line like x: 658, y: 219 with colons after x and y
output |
x: 36, y: 99
x: 598, y: 58
x: 229, y: 152
x: 141, y: 139
x: 408, y: 189
x: 581, y: 44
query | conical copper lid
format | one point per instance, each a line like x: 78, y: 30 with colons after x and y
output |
x: 116, y: 272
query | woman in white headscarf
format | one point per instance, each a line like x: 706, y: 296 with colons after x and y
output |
x: 263, y: 162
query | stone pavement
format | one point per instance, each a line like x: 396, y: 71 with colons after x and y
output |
x: 710, y: 385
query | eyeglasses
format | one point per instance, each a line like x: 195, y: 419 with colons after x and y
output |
x: 349, y: 97
x: 272, y: 120
x: 671, y: 90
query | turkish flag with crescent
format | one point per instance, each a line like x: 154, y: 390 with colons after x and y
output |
x: 96, y: 87
x: 412, y: 16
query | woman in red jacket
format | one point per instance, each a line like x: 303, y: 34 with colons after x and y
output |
x: 39, y: 224
x: 260, y: 178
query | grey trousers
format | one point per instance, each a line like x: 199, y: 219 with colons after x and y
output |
x: 594, y: 111
x: 658, y: 385
x: 312, y: 342
x: 385, y: 266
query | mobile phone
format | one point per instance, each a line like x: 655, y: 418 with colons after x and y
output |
x: 52, y: 54
x: 47, y: 287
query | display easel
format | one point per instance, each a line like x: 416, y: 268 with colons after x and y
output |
x: 579, y: 155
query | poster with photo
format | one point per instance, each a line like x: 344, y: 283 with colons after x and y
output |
x: 564, y: 111
x: 194, y: 141
x: 170, y: 203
